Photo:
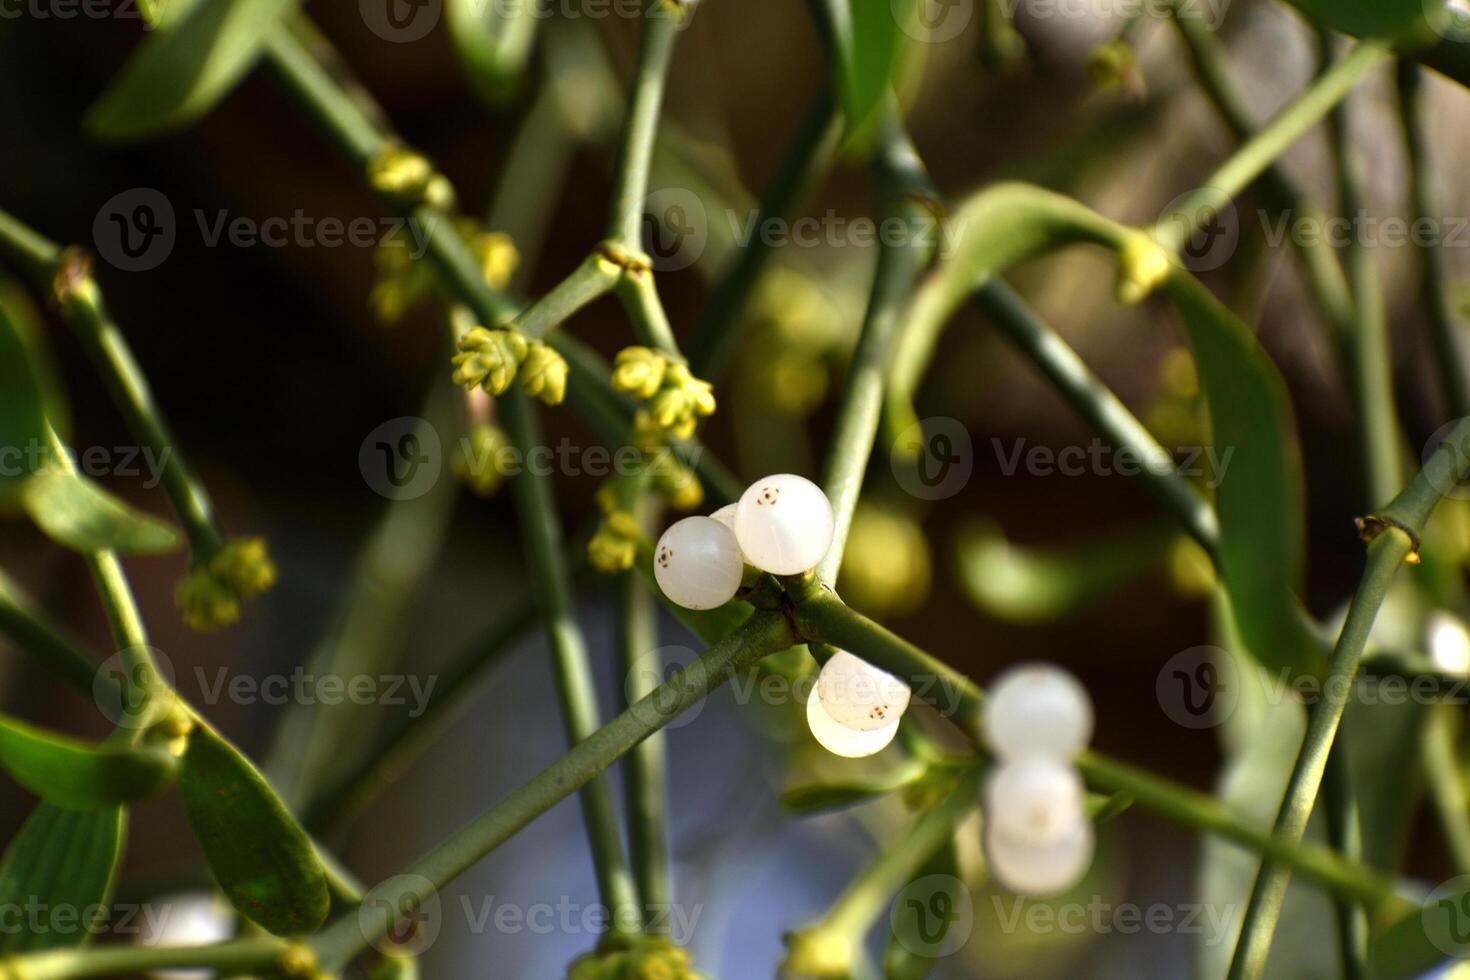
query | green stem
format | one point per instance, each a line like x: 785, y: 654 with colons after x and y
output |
x: 23, y: 624
x: 766, y: 632
x: 1432, y: 283
x: 639, y: 295
x: 240, y: 957
x: 594, y: 277
x: 1345, y: 835
x: 65, y: 274
x: 716, y: 334
x: 662, y: 19
x: 541, y: 527
x: 1247, y: 163
x: 1096, y: 403
x: 1323, y: 271
x: 1446, y: 780
x: 646, y: 766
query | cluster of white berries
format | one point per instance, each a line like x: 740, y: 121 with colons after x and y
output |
x: 782, y: 524
x: 1037, y: 834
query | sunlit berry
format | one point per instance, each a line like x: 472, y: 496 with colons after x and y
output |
x: 1038, y: 709
x: 697, y: 563
x: 855, y: 694
x: 850, y: 743
x: 784, y: 524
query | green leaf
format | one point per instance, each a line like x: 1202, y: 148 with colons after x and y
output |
x: 873, y: 59
x: 1383, y: 20
x: 1259, y: 500
x: 263, y: 860
x: 26, y: 320
x: 1031, y: 585
x: 61, y: 859
x: 77, y: 513
x: 821, y: 797
x: 71, y: 773
x: 22, y: 414
x: 195, y: 56
x: 494, y: 39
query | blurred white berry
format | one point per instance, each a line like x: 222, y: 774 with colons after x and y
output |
x: 1448, y: 642
x: 858, y: 695
x: 186, y: 919
x: 726, y: 516
x: 784, y: 524
x: 850, y: 743
x: 1038, y: 709
x: 1034, y: 800
x: 697, y: 563
x: 1039, y: 870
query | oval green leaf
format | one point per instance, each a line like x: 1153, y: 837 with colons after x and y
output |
x: 195, y: 56
x: 62, y: 859
x: 71, y: 773
x: 494, y: 39
x: 1259, y: 500
x: 822, y: 797
x: 263, y: 860
x: 22, y: 410
x: 77, y: 513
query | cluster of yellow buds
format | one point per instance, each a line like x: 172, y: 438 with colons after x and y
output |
x: 408, y: 178
x: 614, y: 546
x: 404, y: 279
x: 210, y: 595
x: 675, y: 399
x: 797, y: 337
x: 639, y: 958
x: 484, y: 458
x: 492, y: 359
x: 676, y: 482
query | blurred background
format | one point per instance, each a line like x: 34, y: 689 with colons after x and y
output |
x: 274, y: 367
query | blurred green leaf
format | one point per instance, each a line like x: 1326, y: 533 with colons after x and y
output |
x: 194, y: 57
x: 820, y: 797
x: 1259, y: 500
x: 904, y: 958
x: 263, y: 860
x: 61, y: 859
x: 1020, y: 584
x: 75, y: 774
x: 77, y: 513
x: 1385, y: 20
x: 494, y: 39
x: 25, y: 319
x: 22, y: 412
x: 1405, y: 949
x: 873, y: 59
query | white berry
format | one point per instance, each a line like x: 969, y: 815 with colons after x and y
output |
x: 858, y: 695
x: 726, y: 516
x: 1039, y: 870
x: 850, y: 743
x: 1038, y: 709
x: 697, y: 563
x: 1035, y: 800
x: 784, y: 524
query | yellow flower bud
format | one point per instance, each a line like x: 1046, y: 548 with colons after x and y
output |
x: 679, y: 486
x: 244, y: 565
x: 1143, y: 267
x: 483, y: 459
x: 544, y: 373
x: 498, y: 256
x: 207, y: 604
x: 489, y: 358
x: 639, y: 371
